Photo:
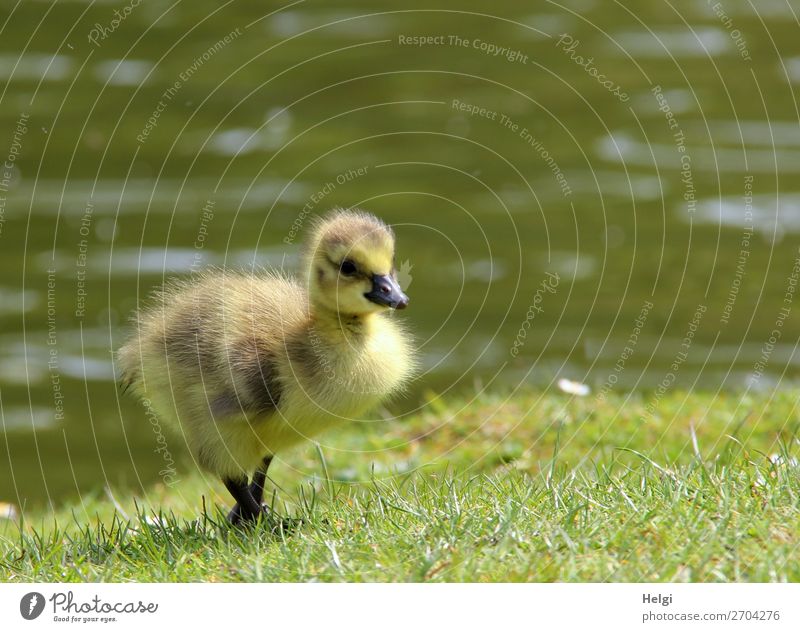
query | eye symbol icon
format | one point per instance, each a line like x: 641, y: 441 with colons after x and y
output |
x: 31, y: 605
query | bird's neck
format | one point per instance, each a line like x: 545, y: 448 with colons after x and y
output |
x: 337, y: 327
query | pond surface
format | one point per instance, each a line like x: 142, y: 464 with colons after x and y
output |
x: 607, y: 192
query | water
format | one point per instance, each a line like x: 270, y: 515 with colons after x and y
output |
x: 653, y: 187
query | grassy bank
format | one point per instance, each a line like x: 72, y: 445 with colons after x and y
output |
x: 529, y: 487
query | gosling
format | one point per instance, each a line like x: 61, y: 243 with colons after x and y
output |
x: 248, y: 365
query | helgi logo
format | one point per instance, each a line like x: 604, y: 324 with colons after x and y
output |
x: 31, y: 605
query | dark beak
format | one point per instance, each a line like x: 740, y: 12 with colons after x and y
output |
x: 385, y: 291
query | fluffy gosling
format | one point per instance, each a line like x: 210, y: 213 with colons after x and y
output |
x: 248, y: 365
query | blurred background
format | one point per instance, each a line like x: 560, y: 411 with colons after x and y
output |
x: 604, y: 192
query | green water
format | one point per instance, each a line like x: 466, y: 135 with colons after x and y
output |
x: 640, y: 159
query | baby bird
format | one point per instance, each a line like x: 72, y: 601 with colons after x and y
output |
x: 248, y: 365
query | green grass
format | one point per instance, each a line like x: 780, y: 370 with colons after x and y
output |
x: 531, y: 487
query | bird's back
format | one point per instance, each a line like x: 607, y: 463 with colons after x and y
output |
x: 211, y: 343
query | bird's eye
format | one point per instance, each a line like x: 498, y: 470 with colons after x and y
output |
x: 347, y: 268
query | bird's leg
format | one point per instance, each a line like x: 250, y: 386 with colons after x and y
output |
x: 260, y: 476
x: 255, y: 491
x: 246, y: 507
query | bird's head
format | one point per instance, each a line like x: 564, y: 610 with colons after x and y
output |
x: 350, y: 264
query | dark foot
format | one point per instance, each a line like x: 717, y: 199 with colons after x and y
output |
x: 237, y: 516
x: 275, y: 522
